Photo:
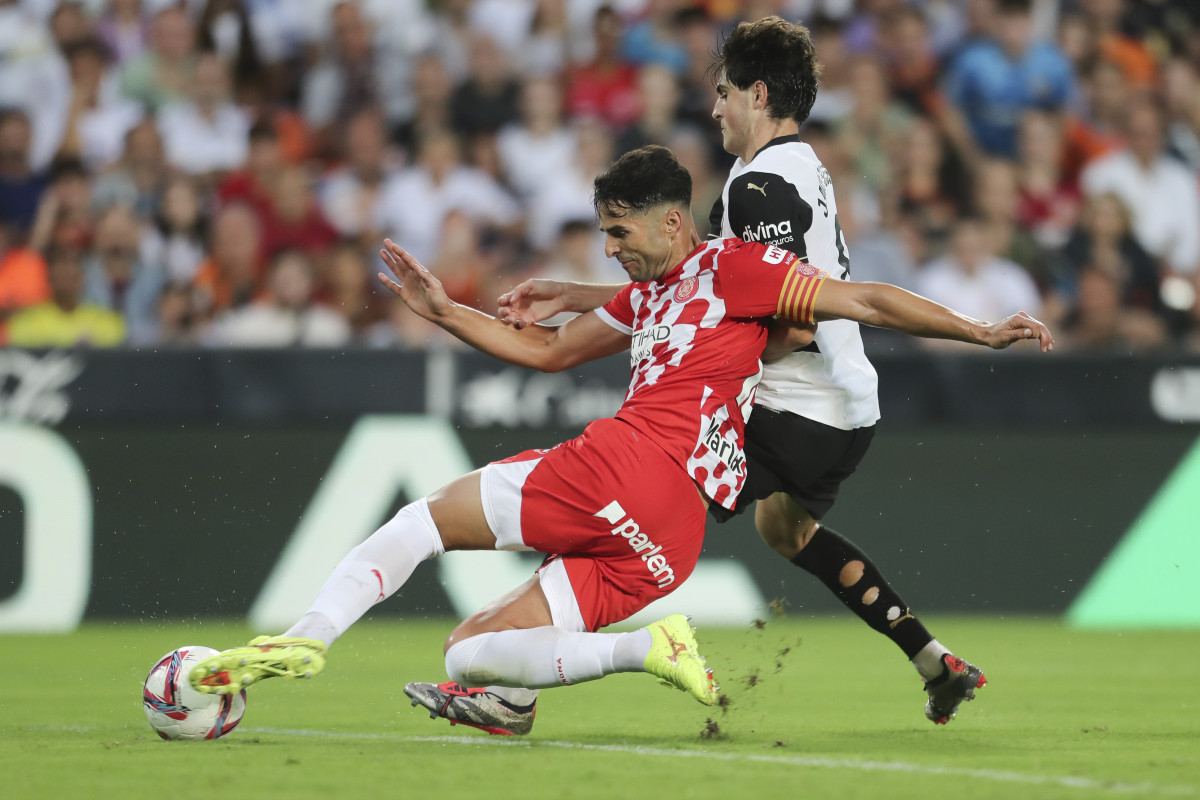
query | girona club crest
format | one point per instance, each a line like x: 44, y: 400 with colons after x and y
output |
x: 807, y: 270
x: 686, y: 289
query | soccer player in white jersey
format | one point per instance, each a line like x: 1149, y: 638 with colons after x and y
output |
x: 817, y: 406
x: 620, y: 510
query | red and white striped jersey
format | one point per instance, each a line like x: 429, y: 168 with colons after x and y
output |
x: 697, y: 340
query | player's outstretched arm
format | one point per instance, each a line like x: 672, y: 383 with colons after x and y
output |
x: 885, y: 306
x: 538, y: 299
x: 539, y: 347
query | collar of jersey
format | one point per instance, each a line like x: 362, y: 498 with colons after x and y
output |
x: 791, y: 137
x: 675, y: 271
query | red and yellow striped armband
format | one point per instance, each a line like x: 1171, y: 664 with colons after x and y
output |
x: 798, y: 297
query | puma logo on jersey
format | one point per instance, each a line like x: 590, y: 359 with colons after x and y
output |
x: 762, y: 189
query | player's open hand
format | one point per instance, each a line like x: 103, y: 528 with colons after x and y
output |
x: 414, y: 284
x: 531, y: 302
x: 1015, y: 328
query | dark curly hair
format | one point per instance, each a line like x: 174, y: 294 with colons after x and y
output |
x: 640, y: 180
x: 781, y: 55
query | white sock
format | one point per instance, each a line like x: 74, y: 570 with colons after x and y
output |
x: 515, y: 695
x: 538, y: 658
x: 928, y: 660
x: 374, y: 570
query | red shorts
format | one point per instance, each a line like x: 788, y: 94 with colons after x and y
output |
x: 624, y: 520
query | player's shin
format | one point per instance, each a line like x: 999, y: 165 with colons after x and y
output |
x: 371, y: 572
x: 850, y: 574
x: 538, y: 658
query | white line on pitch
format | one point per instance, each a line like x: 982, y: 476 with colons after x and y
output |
x: 799, y: 761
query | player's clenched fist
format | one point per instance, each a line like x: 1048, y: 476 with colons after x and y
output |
x: 1018, y: 326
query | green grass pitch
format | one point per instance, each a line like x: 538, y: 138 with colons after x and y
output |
x: 819, y: 709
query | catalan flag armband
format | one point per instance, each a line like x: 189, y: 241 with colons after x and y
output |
x: 798, y: 297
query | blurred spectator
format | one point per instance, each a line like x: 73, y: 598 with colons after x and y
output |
x: 162, y: 74
x: 1181, y: 92
x: 347, y: 80
x: 229, y: 277
x: 1101, y: 130
x: 694, y: 151
x: 139, y: 177
x: 567, y: 194
x: 872, y: 133
x: 912, y: 64
x: 206, y: 134
x: 346, y: 286
x: 995, y: 80
x: 1161, y: 194
x: 1107, y: 18
x: 654, y: 39
x: 469, y: 275
x: 23, y: 279
x: 177, y: 323
x: 931, y: 183
x: 540, y: 146
x: 293, y: 220
x: 543, y: 50
x: 123, y: 28
x: 66, y: 319
x: 886, y: 253
x: 606, y: 86
x: 254, y: 182
x: 33, y: 74
x: 658, y: 94
x: 115, y: 277
x: 176, y: 243
x: 1104, y: 236
x: 452, y: 36
x: 225, y: 28
x: 974, y: 282
x: 997, y: 207
x: 1049, y: 201
x: 285, y: 316
x: 431, y: 110
x: 99, y: 117
x: 834, y: 98
x: 1100, y: 322
x: 349, y: 194
x: 415, y: 201
x: 64, y: 215
x: 21, y: 187
x: 697, y: 85
x: 488, y: 99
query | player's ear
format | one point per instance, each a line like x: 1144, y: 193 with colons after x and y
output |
x: 760, y: 95
x: 672, y: 221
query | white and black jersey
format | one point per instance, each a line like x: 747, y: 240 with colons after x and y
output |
x: 784, y: 197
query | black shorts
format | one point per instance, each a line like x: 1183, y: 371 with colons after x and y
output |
x: 788, y: 453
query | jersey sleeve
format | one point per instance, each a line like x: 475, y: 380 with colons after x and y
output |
x: 618, y: 312
x: 760, y: 281
x: 765, y: 208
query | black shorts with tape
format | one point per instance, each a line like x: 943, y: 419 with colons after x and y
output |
x: 806, y: 459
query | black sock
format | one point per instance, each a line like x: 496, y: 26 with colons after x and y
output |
x: 868, y: 595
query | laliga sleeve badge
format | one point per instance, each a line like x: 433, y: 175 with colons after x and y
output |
x: 686, y: 290
x: 807, y: 270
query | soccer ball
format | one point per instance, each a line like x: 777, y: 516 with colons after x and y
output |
x: 177, y: 711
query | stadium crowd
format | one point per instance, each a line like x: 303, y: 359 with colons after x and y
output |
x: 222, y: 172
